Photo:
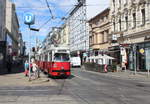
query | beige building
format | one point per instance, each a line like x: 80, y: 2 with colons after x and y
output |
x: 64, y: 35
x: 131, y: 32
x: 99, y: 31
x: 12, y: 27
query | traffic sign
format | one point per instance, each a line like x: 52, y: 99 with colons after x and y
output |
x: 29, y: 18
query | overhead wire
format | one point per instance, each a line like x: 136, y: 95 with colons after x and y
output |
x: 45, y: 23
x: 49, y: 9
x: 60, y: 6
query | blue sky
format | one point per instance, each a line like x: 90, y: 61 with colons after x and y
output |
x: 59, y: 8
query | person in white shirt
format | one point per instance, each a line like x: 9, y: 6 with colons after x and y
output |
x: 35, y: 69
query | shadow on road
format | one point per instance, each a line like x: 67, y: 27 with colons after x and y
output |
x: 14, y: 70
x: 62, y: 77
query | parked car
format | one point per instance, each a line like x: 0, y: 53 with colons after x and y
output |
x: 75, y: 61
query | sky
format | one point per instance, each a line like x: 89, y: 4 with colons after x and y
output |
x: 59, y: 8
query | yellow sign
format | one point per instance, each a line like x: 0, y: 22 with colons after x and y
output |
x: 142, y: 51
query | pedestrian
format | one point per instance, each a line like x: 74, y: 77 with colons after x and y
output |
x: 35, y: 69
x: 26, y: 67
x: 9, y: 64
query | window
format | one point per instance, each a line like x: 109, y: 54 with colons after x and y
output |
x: 61, y: 57
x: 114, y: 3
x: 134, y: 20
x: 102, y: 37
x: 119, y: 3
x: 120, y: 24
x: 143, y: 16
x: 125, y: 2
x: 114, y: 26
x: 126, y: 21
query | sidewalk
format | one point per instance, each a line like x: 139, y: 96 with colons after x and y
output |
x: 130, y: 75
x: 143, y: 76
x: 19, y: 79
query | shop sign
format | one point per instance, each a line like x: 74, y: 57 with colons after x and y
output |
x: 78, y: 52
x: 114, y: 37
x: 142, y: 51
x: 122, y: 51
x: 147, y: 37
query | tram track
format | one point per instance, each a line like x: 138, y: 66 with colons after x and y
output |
x: 62, y: 86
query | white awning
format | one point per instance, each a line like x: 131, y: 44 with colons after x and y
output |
x: 101, y: 57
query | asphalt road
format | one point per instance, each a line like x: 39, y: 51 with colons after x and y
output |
x: 81, y: 88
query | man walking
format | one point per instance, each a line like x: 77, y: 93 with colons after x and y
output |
x: 9, y: 64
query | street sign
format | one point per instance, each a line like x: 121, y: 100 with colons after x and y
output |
x: 142, y: 51
x: 29, y: 19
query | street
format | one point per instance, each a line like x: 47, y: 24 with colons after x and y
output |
x: 81, y: 88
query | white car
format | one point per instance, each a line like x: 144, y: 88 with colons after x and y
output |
x: 75, y: 61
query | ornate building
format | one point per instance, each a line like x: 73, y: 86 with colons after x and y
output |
x: 99, y: 32
x: 130, y: 31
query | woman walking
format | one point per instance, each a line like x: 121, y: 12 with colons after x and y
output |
x: 35, y: 69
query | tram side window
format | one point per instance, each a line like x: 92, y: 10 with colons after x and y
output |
x: 46, y: 58
x: 61, y: 57
x: 50, y: 56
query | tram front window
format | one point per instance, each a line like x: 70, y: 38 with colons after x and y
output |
x: 61, y: 57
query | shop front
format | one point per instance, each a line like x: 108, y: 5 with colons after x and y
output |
x: 2, y: 55
x: 139, y: 57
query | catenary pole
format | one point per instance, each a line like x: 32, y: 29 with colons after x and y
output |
x: 29, y: 54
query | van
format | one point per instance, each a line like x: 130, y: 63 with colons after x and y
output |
x: 75, y: 61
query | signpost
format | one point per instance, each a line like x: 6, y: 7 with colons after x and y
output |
x: 29, y: 19
x: 134, y: 51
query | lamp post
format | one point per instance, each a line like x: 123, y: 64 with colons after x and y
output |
x: 134, y: 55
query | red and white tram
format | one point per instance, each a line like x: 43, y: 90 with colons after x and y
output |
x: 55, y: 61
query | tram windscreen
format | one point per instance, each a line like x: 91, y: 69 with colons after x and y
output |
x: 61, y: 57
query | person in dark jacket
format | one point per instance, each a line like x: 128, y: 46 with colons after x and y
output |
x: 9, y: 64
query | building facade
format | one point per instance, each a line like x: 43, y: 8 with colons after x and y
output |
x: 99, y: 32
x: 9, y: 32
x: 130, y: 28
x: 2, y: 19
x: 78, y: 35
x: 2, y: 34
x: 64, y: 32
x: 12, y: 28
